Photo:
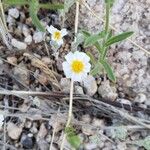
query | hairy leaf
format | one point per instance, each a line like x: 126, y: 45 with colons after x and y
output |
x: 96, y: 70
x: 33, y: 9
x: 92, y: 39
x: 108, y: 70
x: 118, y: 38
x: 15, y: 2
x: 97, y: 45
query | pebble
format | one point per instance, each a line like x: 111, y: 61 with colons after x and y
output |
x: 38, y: 37
x: 140, y: 98
x: 25, y: 30
x: 98, y: 122
x: 28, y: 39
x: 19, y: 45
x: 78, y: 90
x: 90, y: 146
x: 27, y: 141
x: 13, y: 12
x: 106, y: 91
x: 90, y: 85
x: 42, y: 132
x: 46, y: 60
x: 12, y: 60
x: 14, y: 131
x: 43, y: 145
x: 86, y: 118
x: 65, y: 85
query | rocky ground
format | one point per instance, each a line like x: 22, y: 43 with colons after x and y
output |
x: 102, y: 122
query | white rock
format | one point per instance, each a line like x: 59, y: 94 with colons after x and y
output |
x: 65, y: 85
x: 106, y: 91
x: 140, y: 98
x: 79, y: 90
x: 14, y: 131
x: 38, y: 37
x: 1, y: 120
x: 13, y: 12
x: 90, y: 85
x: 10, y: 20
x: 25, y: 30
x: 90, y: 146
x: 28, y: 39
x: 19, y: 45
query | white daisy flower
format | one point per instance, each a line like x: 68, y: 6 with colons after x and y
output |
x: 76, y: 66
x: 57, y: 35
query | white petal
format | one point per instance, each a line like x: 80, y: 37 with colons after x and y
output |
x: 51, y: 29
x: 64, y: 32
x: 82, y: 56
x: 69, y: 57
x: 76, y: 77
x: 60, y: 42
x: 67, y: 69
x: 87, y: 67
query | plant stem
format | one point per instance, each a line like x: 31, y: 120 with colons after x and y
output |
x: 76, y: 18
x: 51, y: 6
x: 107, y: 18
x: 69, y: 113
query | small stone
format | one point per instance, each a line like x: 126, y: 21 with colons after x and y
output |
x: 46, y: 60
x: 43, y: 145
x: 27, y: 141
x: 65, y: 85
x: 86, y: 118
x: 34, y: 129
x: 140, y: 98
x: 90, y: 85
x: 42, y: 132
x: 79, y: 90
x: 14, y: 131
x: 19, y: 45
x: 106, y: 91
x: 21, y: 73
x: 38, y: 37
x: 42, y: 78
x: 28, y: 124
x: 13, y: 12
x: 12, y: 60
x: 28, y: 39
x: 90, y: 146
x: 98, y: 122
x: 121, y: 146
x: 25, y: 30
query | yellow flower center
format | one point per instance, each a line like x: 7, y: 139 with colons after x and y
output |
x: 57, y: 35
x: 77, y: 66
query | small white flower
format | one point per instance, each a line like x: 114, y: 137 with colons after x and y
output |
x: 57, y: 35
x: 1, y: 120
x: 76, y: 66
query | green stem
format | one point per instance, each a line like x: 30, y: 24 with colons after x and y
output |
x: 51, y: 6
x: 107, y: 18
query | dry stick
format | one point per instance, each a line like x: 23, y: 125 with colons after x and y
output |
x: 134, y: 43
x: 69, y: 114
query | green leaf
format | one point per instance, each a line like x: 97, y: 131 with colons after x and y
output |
x: 118, y: 38
x: 110, y: 2
x: 108, y: 70
x: 15, y: 2
x: 97, y: 45
x: 52, y: 6
x: 92, y: 59
x: 74, y: 141
x: 96, y: 70
x: 33, y: 9
x: 92, y: 39
x: 67, y: 5
x: 72, y: 138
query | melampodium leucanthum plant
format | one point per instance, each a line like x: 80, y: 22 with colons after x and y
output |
x: 76, y: 67
x: 34, y: 7
x: 102, y: 41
